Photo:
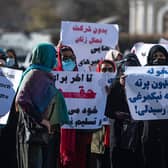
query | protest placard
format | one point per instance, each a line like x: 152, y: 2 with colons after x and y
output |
x: 90, y: 41
x: 85, y: 97
x: 9, y: 81
x: 147, y: 92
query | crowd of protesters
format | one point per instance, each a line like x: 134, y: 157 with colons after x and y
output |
x: 39, y: 106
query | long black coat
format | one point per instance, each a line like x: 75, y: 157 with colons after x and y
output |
x: 127, y: 131
x: 127, y: 152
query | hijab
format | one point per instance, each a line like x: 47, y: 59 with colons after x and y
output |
x: 61, y: 49
x: 43, y: 89
x: 98, y: 68
x: 153, y: 50
x: 113, y: 54
x: 130, y: 59
x: 44, y: 56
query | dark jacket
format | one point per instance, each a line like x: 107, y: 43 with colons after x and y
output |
x: 156, y: 130
x: 127, y: 131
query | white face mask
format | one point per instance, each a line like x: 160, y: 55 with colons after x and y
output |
x: 10, y: 62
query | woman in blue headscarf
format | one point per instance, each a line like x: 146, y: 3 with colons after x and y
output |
x: 41, y: 105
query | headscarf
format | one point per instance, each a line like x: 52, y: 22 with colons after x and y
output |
x: 43, y: 59
x: 61, y: 49
x: 130, y: 59
x: 153, y: 50
x: 98, y: 68
x: 44, y: 56
x: 112, y: 54
x: 14, y: 56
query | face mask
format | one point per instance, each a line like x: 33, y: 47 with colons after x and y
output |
x: 159, y: 62
x: 10, y: 61
x: 68, y: 65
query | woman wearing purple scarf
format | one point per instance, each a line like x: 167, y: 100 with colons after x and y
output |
x: 40, y: 105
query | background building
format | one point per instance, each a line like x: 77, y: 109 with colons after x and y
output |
x: 148, y: 16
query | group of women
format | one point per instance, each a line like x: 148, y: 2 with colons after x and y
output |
x: 38, y: 105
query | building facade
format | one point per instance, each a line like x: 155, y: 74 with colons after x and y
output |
x: 148, y: 16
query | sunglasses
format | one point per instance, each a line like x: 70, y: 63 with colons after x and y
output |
x: 107, y: 69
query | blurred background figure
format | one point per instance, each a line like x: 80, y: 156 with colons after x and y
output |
x: 2, y: 57
x: 11, y: 58
x: 114, y: 55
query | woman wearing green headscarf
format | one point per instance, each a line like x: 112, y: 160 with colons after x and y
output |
x: 40, y: 105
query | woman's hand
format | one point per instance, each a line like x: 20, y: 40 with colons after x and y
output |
x: 59, y: 45
x: 122, y: 80
x: 47, y: 124
x: 107, y: 89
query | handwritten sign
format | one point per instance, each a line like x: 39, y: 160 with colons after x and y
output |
x: 147, y: 92
x: 85, y: 97
x: 9, y: 80
x: 89, y: 33
x: 142, y: 49
x: 90, y: 41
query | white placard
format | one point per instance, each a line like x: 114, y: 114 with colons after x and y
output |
x: 90, y: 41
x: 142, y: 49
x: 85, y: 97
x: 9, y: 81
x: 147, y: 92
